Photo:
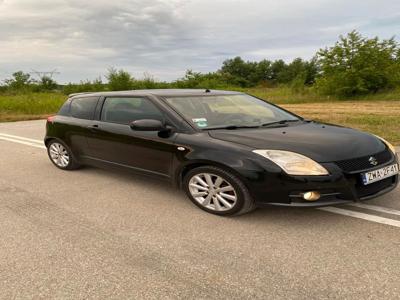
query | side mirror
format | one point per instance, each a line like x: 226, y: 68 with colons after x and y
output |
x: 147, y: 125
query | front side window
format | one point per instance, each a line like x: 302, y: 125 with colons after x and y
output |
x: 83, y: 108
x: 207, y: 112
x: 124, y: 110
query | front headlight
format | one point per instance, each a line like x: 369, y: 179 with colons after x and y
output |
x: 389, y: 145
x: 293, y: 163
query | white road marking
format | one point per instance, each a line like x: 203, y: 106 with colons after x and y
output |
x: 331, y: 209
x: 386, y: 210
x: 359, y: 215
x: 22, y: 140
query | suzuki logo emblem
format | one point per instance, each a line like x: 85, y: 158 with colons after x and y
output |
x: 372, y: 160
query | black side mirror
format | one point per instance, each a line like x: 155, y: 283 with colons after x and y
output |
x: 147, y: 125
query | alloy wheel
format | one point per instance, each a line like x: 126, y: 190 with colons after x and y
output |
x: 59, y: 155
x: 212, y: 192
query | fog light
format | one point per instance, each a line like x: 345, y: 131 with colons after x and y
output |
x: 311, y: 196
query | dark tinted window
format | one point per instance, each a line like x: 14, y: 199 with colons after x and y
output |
x: 83, y: 108
x: 124, y: 110
x: 64, y: 110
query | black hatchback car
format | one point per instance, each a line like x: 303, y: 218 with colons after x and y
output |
x: 229, y: 151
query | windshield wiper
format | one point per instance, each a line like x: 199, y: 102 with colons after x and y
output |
x: 231, y: 127
x: 281, y: 122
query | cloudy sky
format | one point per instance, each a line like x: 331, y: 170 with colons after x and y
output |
x: 81, y: 39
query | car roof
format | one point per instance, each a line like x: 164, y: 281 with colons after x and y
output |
x: 159, y: 92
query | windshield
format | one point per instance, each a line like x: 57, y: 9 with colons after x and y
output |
x: 235, y: 111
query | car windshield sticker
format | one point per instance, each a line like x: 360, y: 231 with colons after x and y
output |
x: 200, y: 122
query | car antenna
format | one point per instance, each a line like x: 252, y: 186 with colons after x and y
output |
x: 208, y: 91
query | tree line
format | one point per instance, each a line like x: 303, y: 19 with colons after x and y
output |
x: 354, y: 65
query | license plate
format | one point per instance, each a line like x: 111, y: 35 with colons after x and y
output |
x: 376, y: 175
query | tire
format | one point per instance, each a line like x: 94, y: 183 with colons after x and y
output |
x: 61, y: 156
x: 236, y: 199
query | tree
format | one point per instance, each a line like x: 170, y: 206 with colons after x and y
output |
x: 298, y: 70
x: 240, y: 72
x: 19, y: 81
x: 278, y: 68
x: 311, y: 71
x: 357, y: 65
x: 119, y: 80
x: 262, y: 72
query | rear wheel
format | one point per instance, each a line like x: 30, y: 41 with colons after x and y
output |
x: 61, y: 156
x: 217, y: 191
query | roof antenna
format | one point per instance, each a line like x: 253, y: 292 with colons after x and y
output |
x: 208, y: 91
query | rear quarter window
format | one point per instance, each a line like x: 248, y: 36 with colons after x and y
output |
x: 84, y: 107
x: 64, y: 110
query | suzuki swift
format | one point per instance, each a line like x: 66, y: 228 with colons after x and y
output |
x: 229, y: 151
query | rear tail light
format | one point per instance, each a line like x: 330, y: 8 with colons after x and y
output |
x: 51, y: 119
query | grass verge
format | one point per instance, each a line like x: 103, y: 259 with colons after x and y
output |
x: 29, y: 106
x: 287, y: 95
x: 381, y: 118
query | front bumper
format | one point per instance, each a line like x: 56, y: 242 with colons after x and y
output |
x: 337, y: 188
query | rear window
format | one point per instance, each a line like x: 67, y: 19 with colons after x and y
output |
x: 83, y: 108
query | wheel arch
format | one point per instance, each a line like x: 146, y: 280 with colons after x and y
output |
x: 47, y: 140
x: 204, y: 163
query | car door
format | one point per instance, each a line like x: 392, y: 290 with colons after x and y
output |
x: 78, y: 114
x: 114, y: 142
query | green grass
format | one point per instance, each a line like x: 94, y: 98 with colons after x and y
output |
x: 29, y: 106
x: 286, y: 95
x: 381, y: 118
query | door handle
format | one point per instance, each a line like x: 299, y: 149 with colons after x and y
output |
x: 93, y: 127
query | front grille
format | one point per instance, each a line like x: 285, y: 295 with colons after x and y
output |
x: 373, y: 188
x: 362, y: 163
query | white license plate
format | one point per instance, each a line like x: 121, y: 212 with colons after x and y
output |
x: 376, y: 175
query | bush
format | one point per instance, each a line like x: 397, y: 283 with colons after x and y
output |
x: 85, y: 86
x: 47, y: 83
x: 148, y: 82
x: 23, y: 83
x: 194, y: 80
x: 119, y: 80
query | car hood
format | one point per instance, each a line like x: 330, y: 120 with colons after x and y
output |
x: 321, y: 142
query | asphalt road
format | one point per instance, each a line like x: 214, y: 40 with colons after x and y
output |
x: 94, y: 233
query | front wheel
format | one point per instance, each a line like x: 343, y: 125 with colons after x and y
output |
x: 61, y: 156
x: 217, y: 191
